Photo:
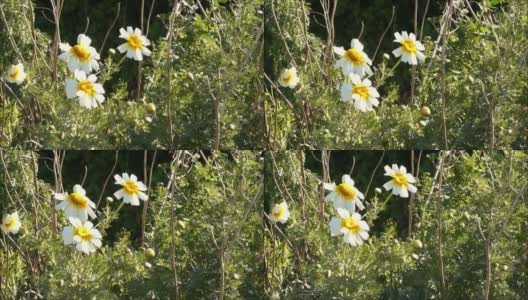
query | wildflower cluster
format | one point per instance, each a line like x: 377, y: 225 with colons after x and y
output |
x: 82, y: 59
x: 346, y: 198
x: 355, y: 65
x: 78, y: 208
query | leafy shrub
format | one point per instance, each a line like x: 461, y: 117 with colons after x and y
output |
x: 200, y: 221
x: 204, y: 85
x: 468, y: 227
x: 485, y: 77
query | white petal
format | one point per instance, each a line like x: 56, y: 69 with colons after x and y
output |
x: 329, y: 186
x: 388, y: 185
x: 404, y: 193
x: 398, y: 52
x: 339, y: 51
x: 346, y: 179
x: 357, y: 44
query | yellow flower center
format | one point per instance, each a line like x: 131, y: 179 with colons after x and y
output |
x: 346, y: 191
x: 278, y: 212
x: 131, y: 187
x: 355, y: 56
x: 81, y: 52
x: 87, y: 87
x: 15, y: 74
x: 362, y: 91
x: 400, y: 179
x: 287, y: 76
x: 350, y: 224
x: 134, y: 42
x: 10, y: 222
x: 83, y: 232
x: 78, y: 200
x: 409, y: 46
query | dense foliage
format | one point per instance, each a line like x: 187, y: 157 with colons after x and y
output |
x: 471, y: 92
x: 464, y: 238
x: 199, y: 89
x: 201, y: 222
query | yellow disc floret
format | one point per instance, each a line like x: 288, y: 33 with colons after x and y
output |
x: 409, y: 46
x: 400, y: 179
x: 350, y: 224
x: 346, y: 191
x: 131, y: 187
x: 84, y: 233
x: 134, y: 42
x: 354, y: 56
x: 87, y: 87
x: 78, y: 200
x: 278, y: 212
x: 362, y: 91
x: 15, y: 74
x: 81, y: 52
x: 10, y: 223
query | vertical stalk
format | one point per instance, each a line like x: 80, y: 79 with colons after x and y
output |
x: 57, y: 9
x: 413, y: 71
x: 439, y: 232
x: 445, y: 33
x: 325, y: 162
x: 172, y: 199
x: 140, y: 64
x: 148, y: 183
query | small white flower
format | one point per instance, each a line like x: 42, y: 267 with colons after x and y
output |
x: 90, y: 93
x: 132, y: 190
x: 401, y: 181
x: 76, y: 204
x: 11, y: 223
x: 353, y: 60
x: 365, y: 96
x: 280, y: 212
x: 83, y: 235
x: 16, y: 74
x: 345, y: 195
x: 353, y: 229
x: 136, y: 43
x: 82, y: 56
x: 410, y: 50
x: 289, y: 78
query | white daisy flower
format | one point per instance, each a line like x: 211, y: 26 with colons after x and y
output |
x: 365, y: 96
x: 11, y: 223
x: 410, y: 50
x: 353, y: 60
x: 132, y: 190
x: 345, y: 195
x: 82, y: 56
x: 280, y: 212
x: 90, y: 93
x: 350, y: 225
x: 76, y: 204
x: 289, y: 78
x: 16, y: 74
x: 83, y: 235
x: 136, y: 45
x: 401, y: 181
